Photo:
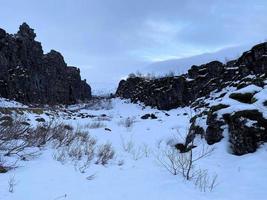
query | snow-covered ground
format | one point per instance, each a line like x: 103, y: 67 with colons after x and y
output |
x: 135, y: 174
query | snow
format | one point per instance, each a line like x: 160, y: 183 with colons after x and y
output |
x: 249, y: 89
x: 140, y: 176
x: 5, y: 103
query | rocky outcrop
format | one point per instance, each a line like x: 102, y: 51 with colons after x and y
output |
x: 30, y: 76
x: 247, y: 130
x: 241, y: 83
x: 172, y: 92
x: 164, y: 93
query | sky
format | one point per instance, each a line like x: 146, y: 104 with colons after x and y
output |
x: 108, y: 38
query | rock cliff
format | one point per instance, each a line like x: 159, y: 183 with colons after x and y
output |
x: 30, y: 76
x: 171, y: 92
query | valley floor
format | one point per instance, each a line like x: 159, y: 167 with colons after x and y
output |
x: 134, y: 173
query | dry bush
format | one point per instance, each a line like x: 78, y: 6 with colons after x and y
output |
x: 127, y: 145
x: 183, y: 163
x: 128, y: 122
x: 16, y: 138
x: 104, y: 154
x: 11, y: 184
x: 137, y: 153
x: 204, y: 182
x: 20, y: 139
x: 146, y: 150
x: 95, y: 125
x: 81, y: 148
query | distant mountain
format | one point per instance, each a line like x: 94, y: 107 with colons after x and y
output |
x: 182, y: 65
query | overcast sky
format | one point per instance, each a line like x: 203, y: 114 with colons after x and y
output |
x: 102, y: 36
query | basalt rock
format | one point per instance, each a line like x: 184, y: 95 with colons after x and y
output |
x: 247, y: 130
x: 30, y: 76
x: 149, y: 116
x: 214, y: 132
x: 172, y: 92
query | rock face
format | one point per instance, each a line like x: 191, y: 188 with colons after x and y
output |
x: 164, y: 93
x: 30, y: 76
x: 172, y: 92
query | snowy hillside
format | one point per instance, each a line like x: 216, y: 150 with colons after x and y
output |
x: 182, y: 65
x: 138, y: 169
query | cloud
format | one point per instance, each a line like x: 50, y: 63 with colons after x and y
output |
x: 122, y: 34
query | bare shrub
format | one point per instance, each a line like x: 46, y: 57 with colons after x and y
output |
x: 95, y: 125
x: 11, y: 184
x: 16, y: 138
x: 170, y: 160
x: 80, y: 148
x: 183, y: 163
x: 204, y: 182
x: 20, y: 139
x: 146, y: 150
x: 137, y: 153
x: 128, y: 122
x: 104, y: 154
x: 82, y: 145
x: 60, y: 155
x: 103, y: 117
x: 127, y: 145
x: 55, y: 132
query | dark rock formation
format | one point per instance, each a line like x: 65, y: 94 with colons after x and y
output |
x: 30, y: 76
x: 183, y: 149
x: 172, y: 92
x: 248, y: 129
x: 164, y: 93
x: 151, y: 116
x: 214, y: 132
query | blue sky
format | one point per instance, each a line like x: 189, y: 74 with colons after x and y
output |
x: 109, y: 35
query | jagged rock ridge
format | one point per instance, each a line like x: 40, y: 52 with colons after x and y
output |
x: 30, y: 76
x: 228, y: 99
x: 171, y: 92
